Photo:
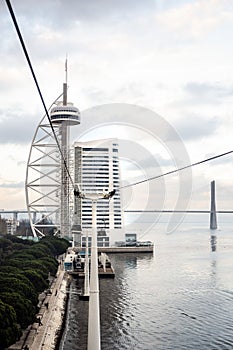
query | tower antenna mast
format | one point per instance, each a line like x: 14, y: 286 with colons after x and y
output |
x: 65, y: 85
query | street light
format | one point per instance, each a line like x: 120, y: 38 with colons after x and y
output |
x: 93, y: 342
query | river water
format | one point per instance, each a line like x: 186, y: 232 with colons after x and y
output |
x: 179, y: 298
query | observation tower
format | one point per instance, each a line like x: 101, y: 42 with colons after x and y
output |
x: 49, y: 194
x: 65, y: 115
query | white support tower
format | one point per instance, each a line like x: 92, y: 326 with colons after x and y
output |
x: 93, y: 341
x: 48, y: 177
x: 43, y: 181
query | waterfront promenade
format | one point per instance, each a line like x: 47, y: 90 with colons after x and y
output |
x: 52, y: 309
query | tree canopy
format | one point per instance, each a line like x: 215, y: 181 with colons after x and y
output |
x: 24, y: 270
x: 9, y: 329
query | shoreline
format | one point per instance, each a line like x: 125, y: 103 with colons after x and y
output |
x: 60, y: 331
x: 48, y: 335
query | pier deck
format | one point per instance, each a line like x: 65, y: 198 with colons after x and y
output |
x: 142, y: 249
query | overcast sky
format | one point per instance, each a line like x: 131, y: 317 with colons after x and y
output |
x: 171, y: 57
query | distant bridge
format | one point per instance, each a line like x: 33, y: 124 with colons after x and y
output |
x: 191, y: 211
x: 179, y: 211
x: 13, y: 211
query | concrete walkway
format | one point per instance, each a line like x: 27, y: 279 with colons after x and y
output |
x: 42, y: 337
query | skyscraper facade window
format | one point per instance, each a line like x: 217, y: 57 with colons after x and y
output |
x: 96, y: 169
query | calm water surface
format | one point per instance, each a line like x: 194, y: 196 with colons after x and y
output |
x: 180, y: 298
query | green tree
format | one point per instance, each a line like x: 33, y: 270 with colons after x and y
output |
x: 39, y: 251
x: 60, y: 244
x: 50, y: 263
x: 25, y: 266
x: 15, y: 239
x: 10, y: 269
x: 36, y: 279
x: 5, y: 243
x: 9, y: 329
x: 12, y: 284
x: 6, y: 248
x: 23, y: 254
x: 25, y: 310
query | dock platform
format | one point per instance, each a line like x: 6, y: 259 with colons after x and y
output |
x: 108, y: 273
x: 133, y: 249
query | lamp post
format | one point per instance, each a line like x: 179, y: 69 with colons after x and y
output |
x: 93, y: 341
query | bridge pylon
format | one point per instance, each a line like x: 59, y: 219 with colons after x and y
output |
x: 213, y: 215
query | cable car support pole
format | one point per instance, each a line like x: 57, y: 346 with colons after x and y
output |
x: 93, y: 341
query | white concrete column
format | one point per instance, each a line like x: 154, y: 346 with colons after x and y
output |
x: 94, y: 313
x: 86, y: 280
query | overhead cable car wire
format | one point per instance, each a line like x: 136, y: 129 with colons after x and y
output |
x: 176, y: 170
x: 37, y: 85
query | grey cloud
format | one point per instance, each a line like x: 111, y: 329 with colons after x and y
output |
x: 224, y: 193
x: 194, y: 127
x: 172, y: 3
x: 98, y: 95
x: 199, y: 94
x: 154, y: 163
x: 64, y: 13
x: 228, y: 159
x: 21, y: 163
x: 16, y: 128
x: 207, y: 91
x: 139, y: 155
x: 12, y: 185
